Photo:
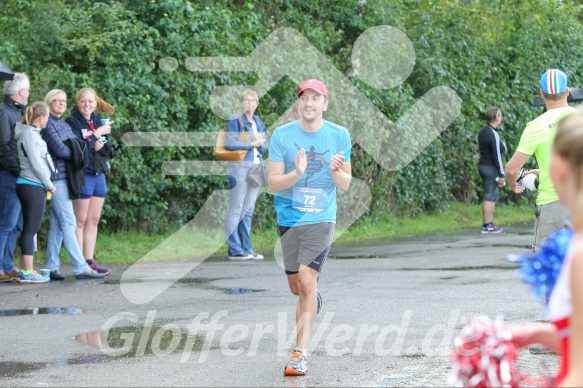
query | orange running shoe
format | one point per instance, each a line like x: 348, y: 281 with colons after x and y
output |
x: 297, y: 366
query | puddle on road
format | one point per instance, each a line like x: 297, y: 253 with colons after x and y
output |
x: 354, y: 256
x: 13, y: 369
x: 43, y: 310
x: 197, y: 280
x: 127, y: 341
x: 518, y: 246
x: 414, y: 355
x: 179, y: 281
x: 480, y: 268
x: 242, y: 290
x: 521, y: 246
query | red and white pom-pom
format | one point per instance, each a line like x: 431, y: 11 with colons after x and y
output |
x: 484, y: 356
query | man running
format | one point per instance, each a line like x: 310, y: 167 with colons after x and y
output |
x: 306, y: 211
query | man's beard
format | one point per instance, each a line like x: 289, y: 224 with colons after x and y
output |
x: 309, y: 120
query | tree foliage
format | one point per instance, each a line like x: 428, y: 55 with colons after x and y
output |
x: 490, y: 52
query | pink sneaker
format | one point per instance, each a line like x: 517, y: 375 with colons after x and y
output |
x: 491, y: 229
x: 99, y: 269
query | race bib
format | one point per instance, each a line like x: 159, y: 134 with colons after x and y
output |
x: 309, y: 200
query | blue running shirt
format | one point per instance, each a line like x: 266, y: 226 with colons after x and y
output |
x: 320, y: 146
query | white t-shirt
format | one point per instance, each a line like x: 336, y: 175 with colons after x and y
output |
x: 256, y: 155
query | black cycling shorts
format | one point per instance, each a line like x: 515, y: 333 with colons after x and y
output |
x: 490, y: 177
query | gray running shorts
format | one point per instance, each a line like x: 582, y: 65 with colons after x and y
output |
x: 549, y: 218
x: 306, y: 244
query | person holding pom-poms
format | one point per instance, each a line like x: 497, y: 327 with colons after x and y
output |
x: 565, y: 303
x: 485, y: 351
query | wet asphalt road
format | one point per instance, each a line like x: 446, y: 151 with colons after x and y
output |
x: 391, y: 311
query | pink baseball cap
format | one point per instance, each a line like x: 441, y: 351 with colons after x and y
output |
x: 313, y: 84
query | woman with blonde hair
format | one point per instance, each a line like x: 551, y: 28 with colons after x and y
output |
x: 565, y: 303
x: 59, y: 138
x: 32, y: 185
x: 243, y: 194
x: 87, y: 125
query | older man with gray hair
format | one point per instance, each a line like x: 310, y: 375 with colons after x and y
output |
x: 11, y: 110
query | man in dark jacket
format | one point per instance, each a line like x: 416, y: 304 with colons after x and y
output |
x: 11, y: 112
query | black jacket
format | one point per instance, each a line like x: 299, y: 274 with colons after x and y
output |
x: 76, y: 166
x: 492, y: 149
x: 55, y: 134
x: 79, y: 125
x: 10, y: 113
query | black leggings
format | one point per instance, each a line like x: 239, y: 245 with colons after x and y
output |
x: 33, y: 200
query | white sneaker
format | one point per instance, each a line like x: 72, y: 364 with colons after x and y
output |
x: 255, y: 256
x: 241, y: 256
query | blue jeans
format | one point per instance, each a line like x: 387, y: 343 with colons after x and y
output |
x: 62, y: 229
x: 241, y: 205
x: 10, y: 220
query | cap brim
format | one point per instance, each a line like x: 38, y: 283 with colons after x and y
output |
x: 312, y: 88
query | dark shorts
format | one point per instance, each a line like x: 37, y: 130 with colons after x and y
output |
x: 306, y: 244
x: 490, y: 176
x: 95, y: 186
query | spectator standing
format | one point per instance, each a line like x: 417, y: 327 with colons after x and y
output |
x: 11, y: 112
x: 243, y: 194
x: 491, y: 168
x: 59, y: 137
x: 86, y: 125
x: 536, y: 140
x: 36, y: 168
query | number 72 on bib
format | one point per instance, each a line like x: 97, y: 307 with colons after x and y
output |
x: 310, y: 200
